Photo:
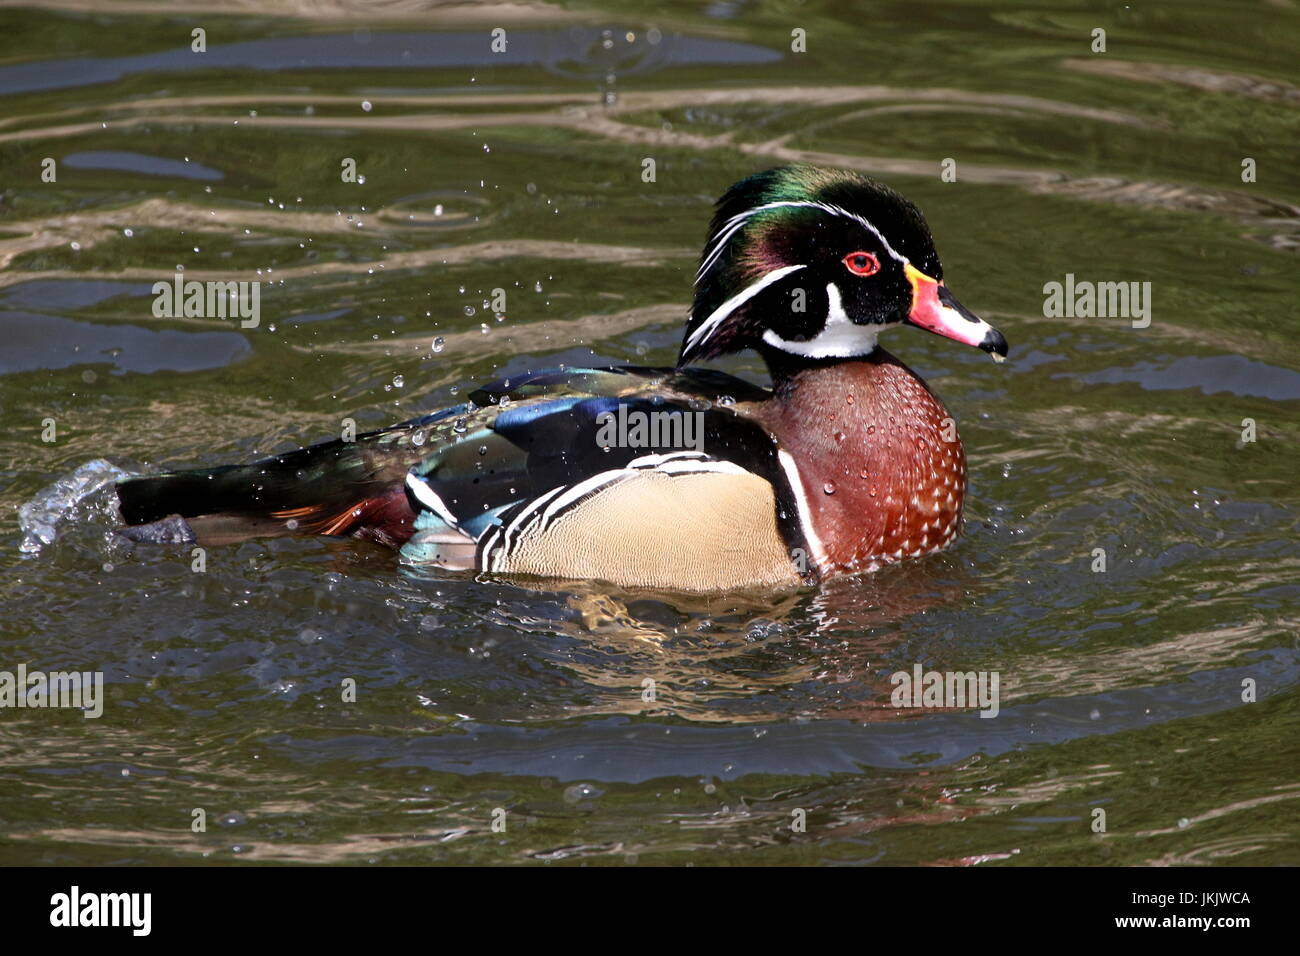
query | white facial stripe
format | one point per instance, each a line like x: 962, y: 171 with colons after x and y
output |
x: 839, y: 337
x: 720, y: 243
x: 709, y: 325
x: 735, y: 222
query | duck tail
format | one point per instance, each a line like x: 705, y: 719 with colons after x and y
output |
x: 335, y: 488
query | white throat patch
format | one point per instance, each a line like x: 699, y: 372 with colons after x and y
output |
x: 840, y: 337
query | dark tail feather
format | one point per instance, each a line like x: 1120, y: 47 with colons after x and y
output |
x: 189, y: 493
x: 336, y: 488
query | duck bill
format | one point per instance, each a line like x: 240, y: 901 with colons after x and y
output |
x: 936, y: 310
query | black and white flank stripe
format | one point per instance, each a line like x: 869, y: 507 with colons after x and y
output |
x: 533, y: 518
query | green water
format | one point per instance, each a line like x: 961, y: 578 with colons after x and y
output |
x: 1121, y: 690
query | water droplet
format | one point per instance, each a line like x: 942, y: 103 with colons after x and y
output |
x: 582, y: 791
x: 839, y: 437
x: 439, y: 344
x: 398, y: 381
x: 366, y: 105
x: 460, y: 427
x: 829, y: 487
x: 469, y: 310
x: 417, y: 439
x: 482, y: 449
x: 128, y: 233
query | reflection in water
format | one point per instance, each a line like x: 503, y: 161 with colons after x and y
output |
x: 1255, y: 211
x: 578, y: 52
x: 139, y: 163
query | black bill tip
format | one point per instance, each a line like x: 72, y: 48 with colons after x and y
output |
x: 995, y: 343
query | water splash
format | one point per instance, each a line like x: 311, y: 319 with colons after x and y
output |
x: 64, y: 502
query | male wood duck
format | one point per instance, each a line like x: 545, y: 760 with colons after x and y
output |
x: 671, y: 478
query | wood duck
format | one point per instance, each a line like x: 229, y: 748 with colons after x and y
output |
x: 669, y: 478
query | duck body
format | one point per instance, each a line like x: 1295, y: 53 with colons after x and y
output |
x: 670, y: 478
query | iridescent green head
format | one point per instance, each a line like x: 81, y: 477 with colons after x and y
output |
x: 814, y: 262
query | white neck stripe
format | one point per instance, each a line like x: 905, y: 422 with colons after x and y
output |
x: 805, y: 513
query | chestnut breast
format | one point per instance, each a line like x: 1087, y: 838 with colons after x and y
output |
x: 879, y: 461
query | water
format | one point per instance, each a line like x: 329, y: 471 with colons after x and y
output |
x: 1122, y: 690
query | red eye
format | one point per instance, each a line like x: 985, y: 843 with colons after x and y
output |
x: 862, y: 263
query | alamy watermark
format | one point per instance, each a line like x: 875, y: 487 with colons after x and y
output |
x: 82, y: 690
x: 133, y: 911
x: 634, y: 428
x: 193, y: 299
x: 946, y: 689
x: 1086, y: 300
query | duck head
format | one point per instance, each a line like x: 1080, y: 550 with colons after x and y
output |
x: 813, y: 263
